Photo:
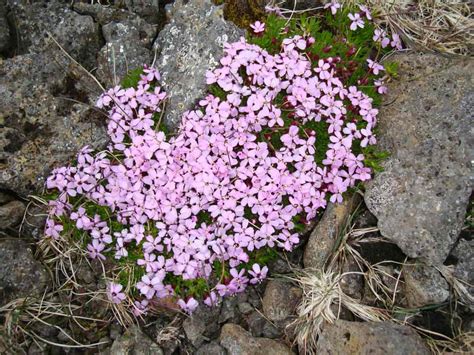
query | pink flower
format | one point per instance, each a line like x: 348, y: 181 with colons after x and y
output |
x: 396, y: 42
x: 114, y: 293
x: 375, y: 67
x: 212, y: 299
x: 258, y: 27
x: 95, y: 250
x: 188, y: 306
x: 259, y: 274
x: 356, y: 21
x: 364, y: 9
x: 222, y: 186
x: 140, y: 308
x: 52, y: 229
x: 381, y: 36
x: 333, y: 5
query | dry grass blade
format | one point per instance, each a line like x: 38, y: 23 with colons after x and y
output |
x: 441, y: 25
x: 322, y: 294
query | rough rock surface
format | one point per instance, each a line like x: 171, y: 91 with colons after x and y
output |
x: 237, y: 341
x: 43, y: 125
x: 464, y: 262
x: 322, y: 238
x: 191, y: 44
x: 11, y: 214
x: 420, y: 198
x: 5, y: 35
x: 202, y: 325
x: 148, y: 9
x: 280, y: 300
x: 345, y: 337
x: 78, y: 34
x: 20, y: 274
x: 212, y: 348
x: 261, y: 327
x: 128, y: 47
x: 424, y: 285
x: 133, y: 341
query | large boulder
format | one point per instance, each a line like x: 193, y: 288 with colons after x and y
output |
x: 345, y: 337
x: 190, y: 45
x: 420, y: 198
x: 20, y: 274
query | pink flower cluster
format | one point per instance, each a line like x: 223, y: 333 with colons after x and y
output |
x: 217, y: 166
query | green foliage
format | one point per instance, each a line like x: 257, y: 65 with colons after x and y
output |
x: 132, y: 78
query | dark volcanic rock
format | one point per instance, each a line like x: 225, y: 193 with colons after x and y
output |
x: 20, y: 274
x: 424, y: 285
x: 420, y: 198
x: 345, y: 337
x: 78, y: 34
x: 236, y: 340
x: 5, y: 35
x: 11, y: 214
x: 280, y: 300
x: 134, y: 341
x: 43, y: 125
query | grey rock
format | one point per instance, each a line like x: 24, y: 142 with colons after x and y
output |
x: 464, y: 266
x: 260, y: 327
x: 424, y: 285
x: 323, y: 237
x: 117, y: 58
x: 5, y: 35
x: 35, y: 349
x: 245, y: 308
x: 202, y: 325
x: 236, y: 340
x: 352, y: 284
x: 421, y: 196
x: 4, y: 198
x: 20, y: 274
x: 280, y: 300
x: 35, y: 219
x: 345, y: 337
x: 135, y: 342
x: 212, y: 348
x: 115, y: 331
x: 11, y: 214
x: 107, y: 14
x: 229, y: 310
x: 191, y: 44
x: 130, y: 30
x: 148, y: 9
x: 301, y: 4
x: 77, y: 34
x: 127, y: 48
x: 43, y: 126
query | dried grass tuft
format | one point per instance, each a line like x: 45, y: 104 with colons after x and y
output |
x: 322, y: 294
x: 445, y: 26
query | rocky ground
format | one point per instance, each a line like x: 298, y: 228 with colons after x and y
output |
x: 407, y: 241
